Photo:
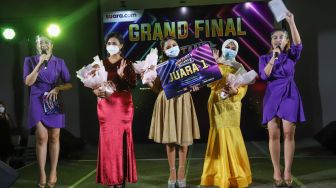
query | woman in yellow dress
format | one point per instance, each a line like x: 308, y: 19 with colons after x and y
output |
x: 226, y: 162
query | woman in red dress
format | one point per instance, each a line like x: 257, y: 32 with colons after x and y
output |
x: 116, y: 159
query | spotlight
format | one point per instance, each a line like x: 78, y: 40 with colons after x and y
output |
x: 53, y: 30
x: 184, y: 10
x: 8, y: 33
x: 247, y: 5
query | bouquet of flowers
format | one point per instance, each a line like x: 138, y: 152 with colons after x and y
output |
x: 94, y: 76
x: 237, y: 80
x: 147, y: 67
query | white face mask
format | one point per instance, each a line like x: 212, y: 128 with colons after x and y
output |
x: 112, y: 49
x: 229, y: 54
x: 2, y: 109
x: 173, y: 52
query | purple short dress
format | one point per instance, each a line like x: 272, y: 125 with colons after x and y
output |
x: 47, y: 79
x: 282, y: 98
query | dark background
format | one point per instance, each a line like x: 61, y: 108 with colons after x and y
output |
x: 81, y: 39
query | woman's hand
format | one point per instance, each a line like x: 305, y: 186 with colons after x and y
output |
x: 195, y: 88
x: 44, y: 57
x: 121, y: 68
x: 230, y: 90
x: 294, y: 31
x: 215, y: 53
x: 289, y: 17
x: 52, y: 95
x: 276, y: 51
x: 100, y: 92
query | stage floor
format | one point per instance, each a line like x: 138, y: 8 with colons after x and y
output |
x: 313, y: 167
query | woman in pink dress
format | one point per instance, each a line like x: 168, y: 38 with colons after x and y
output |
x: 116, y: 159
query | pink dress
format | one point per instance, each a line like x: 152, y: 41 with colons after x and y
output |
x: 116, y: 159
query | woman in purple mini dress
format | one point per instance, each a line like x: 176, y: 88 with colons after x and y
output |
x: 282, y: 101
x: 42, y: 74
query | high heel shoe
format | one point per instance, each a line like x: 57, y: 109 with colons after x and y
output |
x: 41, y: 185
x: 51, y: 184
x: 181, y: 183
x: 123, y: 185
x: 171, y: 183
x: 278, y: 183
x: 289, y: 183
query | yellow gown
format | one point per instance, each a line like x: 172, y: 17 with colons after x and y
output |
x: 226, y: 161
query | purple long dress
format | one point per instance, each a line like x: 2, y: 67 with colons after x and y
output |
x: 46, y: 81
x: 282, y: 98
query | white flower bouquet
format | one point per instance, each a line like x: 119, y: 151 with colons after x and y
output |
x: 94, y: 76
x: 238, y: 80
x: 147, y: 68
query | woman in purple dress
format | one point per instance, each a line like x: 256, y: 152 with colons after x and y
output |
x: 42, y: 74
x: 282, y: 101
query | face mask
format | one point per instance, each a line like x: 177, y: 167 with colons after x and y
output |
x: 112, y: 49
x: 2, y: 109
x: 229, y: 54
x: 173, y: 52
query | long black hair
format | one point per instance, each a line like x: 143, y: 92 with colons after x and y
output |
x: 118, y: 36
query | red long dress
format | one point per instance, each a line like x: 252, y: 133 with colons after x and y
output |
x: 116, y: 164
